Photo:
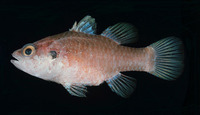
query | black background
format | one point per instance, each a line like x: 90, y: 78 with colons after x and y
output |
x: 25, y: 22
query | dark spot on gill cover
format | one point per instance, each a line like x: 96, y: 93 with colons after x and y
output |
x: 53, y: 54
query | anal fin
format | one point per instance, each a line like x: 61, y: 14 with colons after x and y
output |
x: 122, y: 85
x: 78, y: 90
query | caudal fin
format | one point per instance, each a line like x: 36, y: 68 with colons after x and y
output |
x: 169, y: 58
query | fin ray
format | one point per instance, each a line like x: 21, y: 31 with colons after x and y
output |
x: 169, y: 58
x: 122, y: 85
x: 121, y: 33
x: 86, y: 25
x: 76, y: 89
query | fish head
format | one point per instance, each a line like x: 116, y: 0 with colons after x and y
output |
x: 38, y: 59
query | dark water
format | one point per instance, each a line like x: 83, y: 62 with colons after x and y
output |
x: 26, y: 22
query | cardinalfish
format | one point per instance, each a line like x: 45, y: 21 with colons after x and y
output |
x: 78, y: 58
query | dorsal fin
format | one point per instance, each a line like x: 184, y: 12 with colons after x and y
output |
x: 86, y: 25
x: 122, y: 33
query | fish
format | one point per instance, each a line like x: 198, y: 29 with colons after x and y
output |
x: 79, y: 58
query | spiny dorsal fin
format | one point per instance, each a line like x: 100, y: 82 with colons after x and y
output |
x: 122, y: 33
x: 86, y: 25
x: 76, y: 89
x: 122, y: 85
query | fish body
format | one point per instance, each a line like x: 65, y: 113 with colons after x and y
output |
x: 79, y: 58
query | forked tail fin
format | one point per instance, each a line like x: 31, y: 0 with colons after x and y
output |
x: 168, y: 63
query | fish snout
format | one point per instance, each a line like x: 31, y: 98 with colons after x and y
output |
x: 16, y: 56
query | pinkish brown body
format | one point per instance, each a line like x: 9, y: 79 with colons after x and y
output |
x: 96, y: 57
x: 78, y: 58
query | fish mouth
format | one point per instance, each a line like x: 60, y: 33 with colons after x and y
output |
x: 15, y: 59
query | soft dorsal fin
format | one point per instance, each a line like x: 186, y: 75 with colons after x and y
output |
x: 122, y: 33
x: 78, y: 90
x: 122, y: 85
x: 86, y: 25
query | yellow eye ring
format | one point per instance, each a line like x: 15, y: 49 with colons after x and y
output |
x: 28, y: 50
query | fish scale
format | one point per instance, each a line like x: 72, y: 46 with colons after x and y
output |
x: 110, y: 50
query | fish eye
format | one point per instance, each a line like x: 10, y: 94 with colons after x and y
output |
x: 28, y: 50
